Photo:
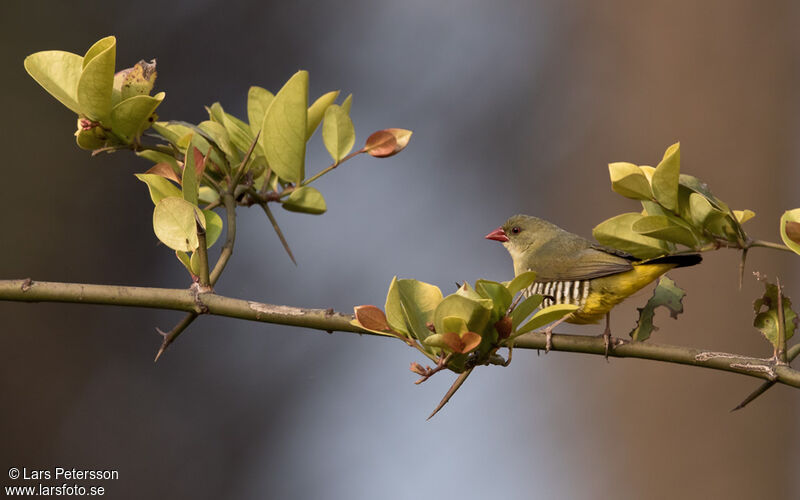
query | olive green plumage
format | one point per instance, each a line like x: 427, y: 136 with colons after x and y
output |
x: 571, y: 269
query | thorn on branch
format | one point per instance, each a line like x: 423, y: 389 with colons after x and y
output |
x: 427, y: 372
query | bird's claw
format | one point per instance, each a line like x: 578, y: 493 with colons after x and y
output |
x: 548, y: 344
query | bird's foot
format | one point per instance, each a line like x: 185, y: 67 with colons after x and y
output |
x: 608, y: 341
x: 548, y: 344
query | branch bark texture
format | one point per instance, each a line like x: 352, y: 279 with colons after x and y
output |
x: 327, y: 320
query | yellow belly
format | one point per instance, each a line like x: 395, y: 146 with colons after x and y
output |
x: 608, y: 291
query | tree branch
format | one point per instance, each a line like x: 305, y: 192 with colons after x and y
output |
x: 330, y: 321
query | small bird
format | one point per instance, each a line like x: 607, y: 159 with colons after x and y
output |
x: 573, y: 270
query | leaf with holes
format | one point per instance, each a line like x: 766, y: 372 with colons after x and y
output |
x: 666, y: 294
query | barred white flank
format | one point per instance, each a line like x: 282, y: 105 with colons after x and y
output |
x: 560, y: 292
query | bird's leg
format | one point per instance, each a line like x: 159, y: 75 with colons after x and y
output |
x: 548, y: 333
x: 607, y: 334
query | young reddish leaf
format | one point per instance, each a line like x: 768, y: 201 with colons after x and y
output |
x: 793, y: 231
x: 471, y: 340
x: 387, y: 142
x: 372, y: 318
x: 463, y: 343
x: 200, y: 162
x: 164, y: 170
x: 418, y: 369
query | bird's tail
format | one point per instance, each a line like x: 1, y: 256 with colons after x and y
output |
x: 684, y: 260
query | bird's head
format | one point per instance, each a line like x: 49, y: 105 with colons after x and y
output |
x: 521, y: 232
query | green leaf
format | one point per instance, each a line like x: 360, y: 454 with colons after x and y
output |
x: 696, y: 185
x: 213, y: 227
x: 497, y: 293
x: 219, y: 135
x: 521, y: 282
x: 317, y: 110
x: 96, y: 82
x: 174, y: 223
x: 306, y: 199
x: 790, y: 230
x: 134, y: 115
x: 666, y: 228
x: 207, y: 195
x: 666, y: 294
x: 159, y: 157
x: 545, y: 317
x: 58, y: 73
x: 338, y: 133
x: 524, y: 309
x: 258, y: 101
x: 283, y: 135
x: 474, y: 313
x: 617, y: 232
x: 766, y: 310
x: 91, y: 139
x: 628, y: 180
x: 159, y: 187
x: 743, y: 216
x: 190, y: 180
x: 183, y: 257
x: 665, y: 178
x: 410, y: 305
x: 238, y: 131
x: 347, y: 104
x: 172, y: 132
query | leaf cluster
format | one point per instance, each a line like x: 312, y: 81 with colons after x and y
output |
x: 464, y: 328
x: 679, y: 212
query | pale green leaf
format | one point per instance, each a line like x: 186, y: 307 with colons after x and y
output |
x: 743, y: 216
x: 338, y: 133
x: 134, y: 115
x: 258, y: 101
x: 474, y: 313
x: 524, y: 309
x: 58, y: 73
x: 665, y: 178
x: 174, y: 223
x: 617, y: 232
x: 306, y: 199
x: 172, y: 132
x: 317, y: 110
x: 159, y: 187
x: 207, y: 195
x: 628, y: 180
x: 545, y: 317
x: 283, y: 135
x: 183, y: 257
x: 666, y: 228
x: 96, y: 82
x: 521, y: 282
x: 347, y: 104
x: 410, y: 305
x: 213, y: 227
x: 189, y: 180
x: 217, y: 133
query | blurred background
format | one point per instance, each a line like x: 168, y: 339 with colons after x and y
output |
x: 516, y: 107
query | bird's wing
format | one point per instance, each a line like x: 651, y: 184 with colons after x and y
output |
x: 586, y: 264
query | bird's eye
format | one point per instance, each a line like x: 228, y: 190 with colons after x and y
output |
x: 515, y: 230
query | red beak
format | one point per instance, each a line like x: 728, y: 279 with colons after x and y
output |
x: 497, y: 235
